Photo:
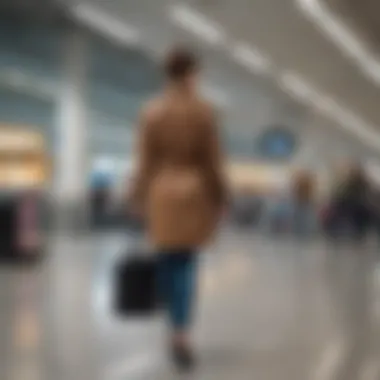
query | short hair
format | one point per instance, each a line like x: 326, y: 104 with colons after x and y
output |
x: 179, y: 63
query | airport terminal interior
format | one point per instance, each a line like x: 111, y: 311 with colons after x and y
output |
x: 288, y: 289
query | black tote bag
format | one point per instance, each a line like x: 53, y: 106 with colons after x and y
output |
x: 135, y: 285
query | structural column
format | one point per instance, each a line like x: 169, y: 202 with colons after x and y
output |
x: 70, y: 314
x: 72, y: 154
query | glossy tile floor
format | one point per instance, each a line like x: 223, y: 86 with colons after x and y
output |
x: 269, y: 309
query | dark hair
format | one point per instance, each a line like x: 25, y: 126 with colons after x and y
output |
x: 179, y: 63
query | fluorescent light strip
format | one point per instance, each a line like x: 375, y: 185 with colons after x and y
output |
x: 197, y: 24
x: 339, y: 33
x: 325, y: 104
x: 216, y: 96
x: 250, y: 58
x: 97, y: 19
x: 353, y: 124
x: 297, y: 87
x: 373, y: 169
x: 372, y: 70
x: 29, y: 84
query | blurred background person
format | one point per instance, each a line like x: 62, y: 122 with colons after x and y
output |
x: 332, y: 216
x: 280, y: 213
x: 350, y: 210
x: 355, y: 201
x: 248, y: 208
x: 101, y: 182
x: 304, y: 213
x: 180, y: 189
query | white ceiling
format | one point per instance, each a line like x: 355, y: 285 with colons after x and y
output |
x: 292, y: 41
x: 363, y: 16
x: 278, y: 29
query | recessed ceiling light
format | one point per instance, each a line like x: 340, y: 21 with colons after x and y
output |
x: 297, y: 87
x: 197, y: 24
x: 372, y: 70
x: 355, y: 125
x: 348, y: 43
x: 96, y: 18
x: 325, y: 104
x: 216, y: 96
x: 250, y: 58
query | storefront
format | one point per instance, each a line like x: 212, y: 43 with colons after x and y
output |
x: 24, y: 173
x: 29, y: 72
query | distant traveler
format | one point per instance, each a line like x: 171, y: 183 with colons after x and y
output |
x: 354, y: 202
x: 179, y: 188
x: 304, y: 220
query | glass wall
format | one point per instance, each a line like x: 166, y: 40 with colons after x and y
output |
x: 120, y: 80
x: 30, y: 73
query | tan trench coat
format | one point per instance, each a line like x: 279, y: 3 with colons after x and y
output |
x: 179, y: 182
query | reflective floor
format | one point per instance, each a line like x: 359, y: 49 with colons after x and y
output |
x: 269, y: 309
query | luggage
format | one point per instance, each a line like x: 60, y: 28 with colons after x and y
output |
x: 135, y: 290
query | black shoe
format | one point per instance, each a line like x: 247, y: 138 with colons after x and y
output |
x: 183, y: 358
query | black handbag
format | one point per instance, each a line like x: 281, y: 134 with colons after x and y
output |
x: 135, y: 285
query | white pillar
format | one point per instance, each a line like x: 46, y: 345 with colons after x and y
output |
x: 72, y: 154
x: 69, y: 269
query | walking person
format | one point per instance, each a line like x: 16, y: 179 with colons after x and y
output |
x: 180, y: 190
x: 356, y: 202
x: 304, y: 218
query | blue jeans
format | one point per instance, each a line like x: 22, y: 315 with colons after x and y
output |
x: 177, y: 273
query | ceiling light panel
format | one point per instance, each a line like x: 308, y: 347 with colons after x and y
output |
x: 353, y: 124
x: 348, y: 43
x: 297, y: 87
x: 372, y: 70
x: 315, y: 10
x: 197, y: 24
x: 216, y: 96
x: 325, y: 104
x: 106, y: 24
x: 250, y: 58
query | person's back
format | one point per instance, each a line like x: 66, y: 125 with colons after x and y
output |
x: 179, y: 185
x: 184, y: 188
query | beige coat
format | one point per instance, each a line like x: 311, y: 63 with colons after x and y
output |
x: 179, y: 181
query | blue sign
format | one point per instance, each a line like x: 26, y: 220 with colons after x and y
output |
x: 276, y: 144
